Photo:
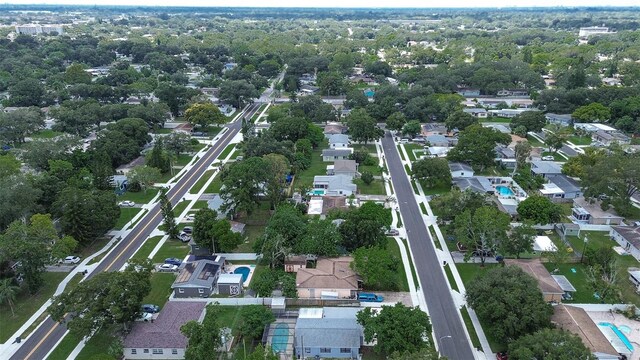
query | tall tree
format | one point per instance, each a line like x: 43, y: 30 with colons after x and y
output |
x: 593, y: 112
x: 396, y: 121
x: 412, y: 323
x: 539, y: 210
x: 460, y: 120
x: 15, y: 126
x: 550, y: 344
x: 476, y: 146
x: 204, y: 338
x: 8, y: 292
x: 617, y: 176
x: 158, y: 158
x: 523, y: 151
x: 86, y: 214
x: 253, y: 319
x: 482, y: 231
x: 554, y: 141
x: 321, y: 239
x: 363, y: 127
x: 277, y: 168
x: 242, y: 185
x: 146, y: 176
x: 517, y: 309
x: 203, y: 224
x: 520, y: 239
x: 431, y: 172
x: 75, y: 74
x: 377, y: 267
x: 411, y: 128
x: 18, y: 199
x: 238, y: 92
x: 530, y: 120
x: 169, y: 219
x: 364, y: 226
x: 204, y: 114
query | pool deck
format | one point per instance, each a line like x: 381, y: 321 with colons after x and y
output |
x: 232, y: 268
x: 619, y: 320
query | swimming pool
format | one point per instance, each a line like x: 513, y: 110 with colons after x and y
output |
x: 619, y: 333
x: 504, y: 191
x: 244, y: 270
x: 625, y: 329
x: 280, y: 338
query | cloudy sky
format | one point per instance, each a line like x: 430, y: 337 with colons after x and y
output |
x: 343, y: 3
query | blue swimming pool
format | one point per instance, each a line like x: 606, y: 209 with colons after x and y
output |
x: 280, y: 338
x: 245, y: 271
x: 622, y: 336
x: 504, y: 191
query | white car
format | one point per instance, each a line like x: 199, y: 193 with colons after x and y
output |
x: 190, y: 217
x: 167, y: 268
x: 127, y: 203
x: 548, y: 158
x: 71, y: 260
x: 145, y: 317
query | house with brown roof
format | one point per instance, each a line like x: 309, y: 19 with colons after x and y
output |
x: 576, y: 321
x: 162, y: 338
x: 293, y: 263
x: 331, y: 278
x: 551, y: 291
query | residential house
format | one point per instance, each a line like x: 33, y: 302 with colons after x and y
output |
x: 593, y: 127
x: 507, y: 113
x: 336, y: 154
x: 551, y: 291
x: 237, y: 227
x: 307, y: 79
x: 634, y: 277
x: 309, y: 89
x: 561, y: 188
x: 546, y: 169
x: 460, y: 170
x: 338, y: 141
x: 215, y: 203
x: 437, y: 151
x: 609, y: 81
x: 230, y: 284
x: 334, y: 128
x: 628, y: 237
x: 576, y: 321
x: 198, y: 278
x: 505, y: 156
x: 294, y: 262
x: 330, y: 332
x: 477, y: 112
x: 585, y: 32
x: 559, y: 119
x: 331, y: 278
x: 335, y: 185
x: 468, y: 92
x: 513, y: 92
x: 198, y: 250
x: 437, y: 140
x: 587, y: 212
x: 343, y: 167
x: 479, y: 184
x: 162, y: 338
x: 611, y: 137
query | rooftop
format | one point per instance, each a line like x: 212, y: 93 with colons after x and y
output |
x: 629, y: 233
x: 594, y: 209
x: 477, y: 183
x: 338, y: 139
x: 329, y: 327
x: 535, y: 268
x: 330, y: 273
x: 345, y: 165
x: 458, y: 166
x: 545, y: 167
x: 565, y: 183
x: 577, y: 321
x: 164, y: 332
x: 337, y: 152
x: 200, y: 273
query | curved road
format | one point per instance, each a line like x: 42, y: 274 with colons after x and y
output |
x: 448, y: 329
x: 49, y: 332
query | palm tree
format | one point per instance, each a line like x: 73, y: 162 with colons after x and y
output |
x: 8, y: 292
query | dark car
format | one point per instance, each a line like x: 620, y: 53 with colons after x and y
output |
x: 173, y: 261
x: 150, y: 308
x: 188, y: 230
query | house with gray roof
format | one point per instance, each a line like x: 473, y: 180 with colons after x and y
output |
x: 561, y: 188
x: 628, y: 237
x: 559, y: 119
x: 336, y: 154
x: 198, y: 278
x: 215, y: 203
x: 328, y: 333
x: 338, y: 141
x: 460, y: 170
x: 505, y: 156
x: 343, y: 167
x: 437, y: 140
x: 479, y: 184
x: 546, y: 169
x: 477, y: 112
x: 162, y: 338
x: 335, y: 185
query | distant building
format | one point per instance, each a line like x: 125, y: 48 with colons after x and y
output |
x: 559, y: 119
x: 477, y: 112
x: 513, y: 92
x: 507, y: 113
x: 611, y: 137
x: 468, y: 92
x: 586, y: 32
x: 561, y: 188
x: 35, y: 29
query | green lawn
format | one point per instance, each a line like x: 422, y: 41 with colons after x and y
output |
x: 200, y: 183
x: 26, y: 305
x: 200, y: 204
x: 215, y: 186
x: 162, y: 131
x: 45, y: 134
x: 229, y: 316
x: 410, y: 148
x: 160, y: 289
x: 179, y: 207
x: 182, y: 160
x: 147, y: 247
x: 470, y: 271
x: 373, y: 169
x: 534, y: 141
x: 171, y: 248
x: 252, y: 233
x: 436, y: 190
x: 394, y: 250
x: 375, y: 188
x: 139, y: 197
x: 556, y: 156
x: 583, y: 295
x: 400, y: 152
x: 423, y: 207
x: 470, y: 328
x: 98, y: 344
x: 451, y: 279
x: 370, y: 148
x: 413, y: 269
x: 223, y: 155
x: 64, y: 348
x: 580, y: 140
x: 304, y: 179
x: 126, y: 214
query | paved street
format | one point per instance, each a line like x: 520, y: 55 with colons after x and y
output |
x: 448, y: 328
x: 45, y: 337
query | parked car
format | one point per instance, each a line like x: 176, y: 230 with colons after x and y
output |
x: 145, y: 317
x: 370, y: 297
x: 71, y: 260
x: 187, y: 230
x: 548, y: 158
x: 167, y: 268
x: 184, y: 237
x: 173, y: 261
x: 190, y: 217
x: 127, y: 203
x: 393, y: 232
x: 150, y: 308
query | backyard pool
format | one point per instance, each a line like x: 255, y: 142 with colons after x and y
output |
x: 504, y: 191
x: 244, y: 271
x: 619, y: 333
x: 280, y: 338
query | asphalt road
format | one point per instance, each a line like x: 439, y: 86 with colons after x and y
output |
x: 46, y: 336
x: 448, y: 328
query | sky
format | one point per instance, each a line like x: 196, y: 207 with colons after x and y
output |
x: 344, y: 3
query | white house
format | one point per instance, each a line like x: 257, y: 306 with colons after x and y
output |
x: 477, y: 112
x: 335, y: 185
x: 628, y: 238
x: 460, y: 170
x: 338, y: 141
x: 336, y: 154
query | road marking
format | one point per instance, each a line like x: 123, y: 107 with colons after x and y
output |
x: 135, y: 237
